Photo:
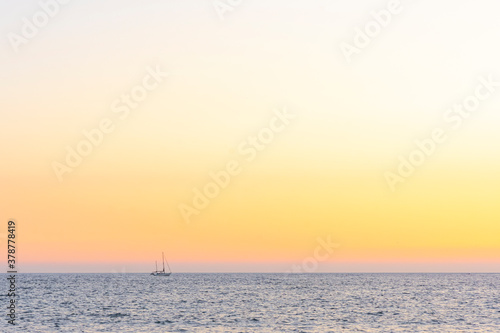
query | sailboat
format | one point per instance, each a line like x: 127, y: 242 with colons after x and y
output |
x: 162, y: 272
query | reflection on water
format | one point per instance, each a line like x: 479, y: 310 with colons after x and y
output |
x: 259, y: 303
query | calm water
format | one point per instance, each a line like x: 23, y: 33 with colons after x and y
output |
x: 257, y: 303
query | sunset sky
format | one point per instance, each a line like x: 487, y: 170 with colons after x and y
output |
x: 322, y: 175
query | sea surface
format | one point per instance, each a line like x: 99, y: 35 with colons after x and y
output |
x: 256, y: 303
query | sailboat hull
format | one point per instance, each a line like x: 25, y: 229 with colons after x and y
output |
x: 160, y: 274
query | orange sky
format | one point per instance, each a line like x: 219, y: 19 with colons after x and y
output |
x: 318, y: 172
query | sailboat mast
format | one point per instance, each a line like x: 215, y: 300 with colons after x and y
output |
x: 156, y: 266
x: 163, y: 261
x: 169, y: 267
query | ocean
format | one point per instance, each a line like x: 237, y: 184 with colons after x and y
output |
x: 256, y: 303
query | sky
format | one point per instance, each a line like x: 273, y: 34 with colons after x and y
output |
x: 312, y: 144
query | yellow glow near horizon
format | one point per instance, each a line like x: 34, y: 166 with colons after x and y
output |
x: 322, y: 174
